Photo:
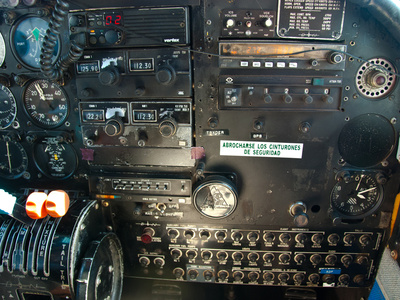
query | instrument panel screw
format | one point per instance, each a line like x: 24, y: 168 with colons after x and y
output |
x: 105, y: 203
x: 393, y: 253
x: 393, y: 121
x: 208, y: 22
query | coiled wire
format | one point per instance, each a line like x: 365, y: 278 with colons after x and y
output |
x: 50, y: 41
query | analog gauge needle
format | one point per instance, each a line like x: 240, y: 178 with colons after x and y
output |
x: 359, y: 182
x: 40, y: 91
x: 360, y: 194
x: 9, y: 157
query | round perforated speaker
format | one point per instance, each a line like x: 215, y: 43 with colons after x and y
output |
x: 366, y: 140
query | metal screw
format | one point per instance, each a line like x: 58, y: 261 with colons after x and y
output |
x: 346, y: 99
x: 393, y: 121
x: 208, y: 22
x: 106, y: 203
x: 355, y: 96
x: 355, y: 25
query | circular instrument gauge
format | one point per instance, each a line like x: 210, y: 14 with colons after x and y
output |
x: 2, y: 49
x: 357, y: 196
x: 28, y: 39
x: 215, y: 197
x: 55, y: 160
x: 8, y: 107
x: 46, y: 103
x: 13, y: 160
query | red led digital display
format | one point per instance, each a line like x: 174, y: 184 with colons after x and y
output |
x: 115, y: 19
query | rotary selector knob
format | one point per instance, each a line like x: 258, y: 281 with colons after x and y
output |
x: 268, y: 22
x: 167, y: 127
x: 230, y: 23
x: 335, y: 57
x: 111, y: 36
x: 165, y: 75
x: 114, y: 127
x: 109, y: 76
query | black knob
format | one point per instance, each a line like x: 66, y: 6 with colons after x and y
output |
x: 111, y: 36
x: 287, y: 98
x: 159, y: 262
x: 144, y: 261
x: 109, y: 76
x: 113, y: 127
x: 143, y: 138
x: 308, y: 99
x: 165, y: 75
x: 335, y: 57
x: 362, y: 260
x: 300, y: 220
x: 327, y: 99
x: 267, y: 98
x: 238, y: 276
x: 359, y: 279
x: 87, y: 92
x: 73, y: 21
x: 167, y: 128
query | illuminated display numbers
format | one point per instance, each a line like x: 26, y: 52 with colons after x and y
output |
x: 113, y: 20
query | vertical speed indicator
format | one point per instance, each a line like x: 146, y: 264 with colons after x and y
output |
x: 46, y: 103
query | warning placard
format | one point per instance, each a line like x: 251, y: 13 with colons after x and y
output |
x: 261, y: 149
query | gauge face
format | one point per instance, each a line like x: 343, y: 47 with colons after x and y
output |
x: 46, y: 103
x: 215, y: 198
x: 28, y: 39
x: 55, y: 160
x: 2, y: 49
x: 358, y: 196
x: 8, y: 107
x: 13, y: 160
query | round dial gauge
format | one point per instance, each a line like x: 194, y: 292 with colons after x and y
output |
x: 2, y: 49
x: 46, y: 103
x: 28, y: 39
x: 216, y: 197
x: 8, y: 107
x: 55, y: 160
x: 357, y: 196
x: 13, y: 160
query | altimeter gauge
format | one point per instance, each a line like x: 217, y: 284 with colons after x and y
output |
x: 357, y: 196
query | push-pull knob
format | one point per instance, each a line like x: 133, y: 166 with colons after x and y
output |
x: 167, y: 127
x: 114, y: 126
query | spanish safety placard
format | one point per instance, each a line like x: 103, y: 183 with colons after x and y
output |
x: 261, y: 149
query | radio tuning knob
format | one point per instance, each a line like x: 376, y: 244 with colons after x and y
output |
x: 109, y: 76
x: 327, y: 98
x: 114, y: 126
x: 165, y: 75
x: 167, y: 127
x: 287, y: 98
x: 335, y: 57
x: 308, y: 99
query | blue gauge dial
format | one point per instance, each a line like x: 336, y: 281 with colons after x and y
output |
x: 28, y: 39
